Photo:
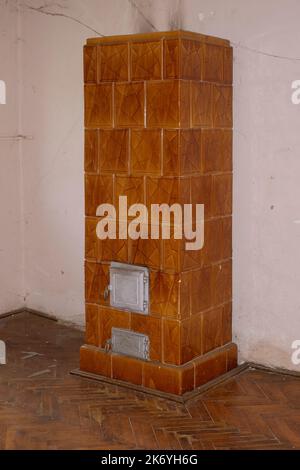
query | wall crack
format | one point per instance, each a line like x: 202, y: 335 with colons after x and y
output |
x: 267, y: 54
x: 42, y: 10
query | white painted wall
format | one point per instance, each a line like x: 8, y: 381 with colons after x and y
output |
x: 265, y: 34
x: 11, y: 263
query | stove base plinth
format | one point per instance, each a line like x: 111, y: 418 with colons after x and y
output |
x: 155, y: 376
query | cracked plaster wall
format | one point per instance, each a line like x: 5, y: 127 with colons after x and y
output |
x: 265, y: 35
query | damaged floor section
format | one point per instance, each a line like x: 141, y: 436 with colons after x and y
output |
x: 43, y: 407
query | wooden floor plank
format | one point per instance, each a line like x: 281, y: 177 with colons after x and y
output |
x: 43, y: 407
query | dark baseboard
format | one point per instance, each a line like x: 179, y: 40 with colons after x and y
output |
x: 187, y: 397
x: 273, y: 370
x: 28, y: 310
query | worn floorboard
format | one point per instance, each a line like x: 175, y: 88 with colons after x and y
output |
x: 43, y: 407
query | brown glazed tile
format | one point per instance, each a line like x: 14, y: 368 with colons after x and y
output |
x: 162, y: 191
x: 92, y: 325
x: 127, y: 369
x: 222, y: 283
x: 201, y: 290
x: 110, y: 318
x: 98, y: 106
x: 190, y: 151
x: 171, y: 152
x: 164, y: 294
x: 170, y: 294
x: 90, y: 64
x: 114, y: 62
x: 129, y: 104
x: 227, y: 323
x: 177, y: 258
x: 172, y: 254
x: 114, y: 151
x: 185, y: 190
x: 146, y: 252
x: 210, y: 367
x: 167, y: 190
x: 98, y: 190
x: 202, y: 101
x: 146, y: 63
x: 185, y: 296
x: 213, y: 63
x: 218, y: 244
x: 231, y: 356
x: 115, y: 249
x: 185, y: 103
x: 187, y: 374
x: 222, y: 106
x: 212, y: 329
x: 168, y: 104
x: 95, y: 360
x: 146, y: 151
x: 192, y: 259
x: 172, y: 58
x: 183, y: 59
x: 182, y: 152
x: 171, y: 342
x: 228, y: 65
x: 213, y: 242
x: 169, y: 379
x: 162, y: 378
x: 91, y: 157
x: 96, y: 281
x: 191, y: 59
x: 222, y: 195
x: 92, y: 282
x: 91, y: 239
x: 216, y: 150
x: 191, y: 338
x: 201, y: 192
x: 227, y: 238
x: 150, y: 326
x: 132, y: 187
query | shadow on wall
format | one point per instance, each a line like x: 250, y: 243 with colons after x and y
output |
x: 146, y: 11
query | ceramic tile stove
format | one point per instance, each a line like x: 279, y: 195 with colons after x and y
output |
x: 158, y: 129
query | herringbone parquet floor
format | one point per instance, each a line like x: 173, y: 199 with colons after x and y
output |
x: 43, y: 407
